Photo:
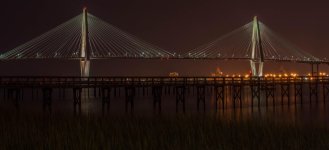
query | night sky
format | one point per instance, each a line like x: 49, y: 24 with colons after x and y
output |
x: 174, y: 25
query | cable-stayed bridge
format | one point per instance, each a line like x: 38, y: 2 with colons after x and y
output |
x: 86, y: 37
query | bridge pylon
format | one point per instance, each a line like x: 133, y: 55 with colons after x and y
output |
x: 85, y: 54
x: 257, y: 54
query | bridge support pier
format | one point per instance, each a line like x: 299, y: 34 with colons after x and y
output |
x: 237, y: 94
x: 270, y: 93
x: 298, y: 92
x: 313, y: 88
x: 201, y: 97
x: 47, y: 98
x: 77, y: 99
x: 285, y: 93
x: 106, y: 98
x: 95, y: 91
x: 165, y: 90
x: 145, y: 91
x: 255, y: 91
x: 219, y: 95
x: 119, y: 91
x: 180, y: 96
x: 325, y: 90
x: 63, y: 91
x: 32, y: 93
x: 4, y: 94
x: 157, y: 95
x: 130, y: 95
x: 314, y: 69
x: 15, y: 95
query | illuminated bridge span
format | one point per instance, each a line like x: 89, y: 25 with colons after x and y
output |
x: 87, y: 37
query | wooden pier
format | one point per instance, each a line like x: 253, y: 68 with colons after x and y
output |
x: 270, y: 90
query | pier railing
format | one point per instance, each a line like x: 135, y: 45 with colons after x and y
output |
x: 52, y: 81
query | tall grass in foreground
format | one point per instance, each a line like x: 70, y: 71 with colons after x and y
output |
x: 166, y: 132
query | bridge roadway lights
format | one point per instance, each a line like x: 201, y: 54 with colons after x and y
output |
x: 180, y: 92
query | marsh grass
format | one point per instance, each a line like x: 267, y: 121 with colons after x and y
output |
x: 158, y: 132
